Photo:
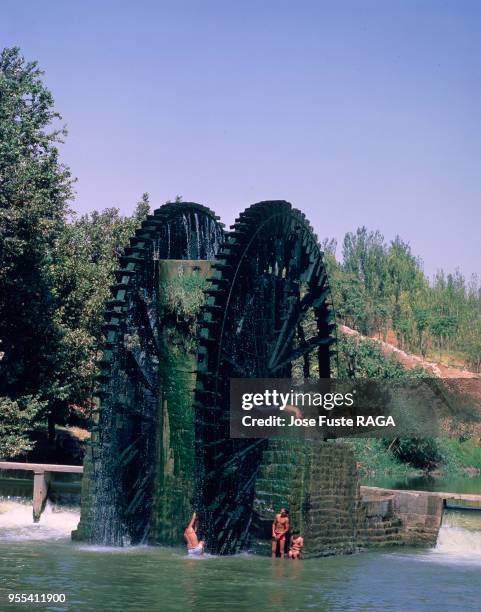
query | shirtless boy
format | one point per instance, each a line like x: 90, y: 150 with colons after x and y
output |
x: 194, y: 546
x: 297, y: 543
x: 280, y: 527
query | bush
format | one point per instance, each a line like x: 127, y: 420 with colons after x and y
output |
x: 420, y: 453
x: 16, y: 422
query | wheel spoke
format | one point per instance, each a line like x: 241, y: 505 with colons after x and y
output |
x: 309, y: 346
x: 145, y: 322
x: 297, y: 312
x: 139, y: 372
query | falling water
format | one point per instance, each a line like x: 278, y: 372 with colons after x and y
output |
x: 197, y: 233
x: 185, y: 221
x: 460, y: 535
x: 107, y: 526
x: 117, y: 515
x: 16, y: 522
x: 190, y: 235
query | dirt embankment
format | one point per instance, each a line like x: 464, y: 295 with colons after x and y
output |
x: 410, y: 361
x: 461, y: 388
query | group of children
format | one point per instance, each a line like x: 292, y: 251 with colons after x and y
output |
x: 280, y: 530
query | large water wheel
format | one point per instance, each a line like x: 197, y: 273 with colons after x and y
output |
x: 124, y: 448
x: 267, y: 315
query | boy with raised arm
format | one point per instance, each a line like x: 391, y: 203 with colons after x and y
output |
x: 194, y: 546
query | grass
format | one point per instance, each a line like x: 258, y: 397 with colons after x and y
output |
x: 449, y: 358
x: 184, y: 294
x: 374, y: 458
x: 463, y: 453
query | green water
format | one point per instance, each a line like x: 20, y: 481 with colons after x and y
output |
x: 163, y: 579
x: 41, y: 559
x: 454, y: 484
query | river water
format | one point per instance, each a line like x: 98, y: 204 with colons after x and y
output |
x: 41, y: 559
x: 457, y: 483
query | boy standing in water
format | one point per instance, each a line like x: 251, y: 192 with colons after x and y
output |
x: 280, y: 527
x: 297, y: 543
x: 194, y: 547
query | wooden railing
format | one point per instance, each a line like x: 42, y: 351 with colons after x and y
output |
x: 41, y: 479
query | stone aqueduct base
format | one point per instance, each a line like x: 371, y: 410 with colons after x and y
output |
x: 318, y: 481
x: 394, y: 517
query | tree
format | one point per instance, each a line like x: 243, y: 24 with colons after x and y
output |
x: 405, y: 278
x: 421, y: 453
x: 142, y: 209
x: 86, y: 256
x: 365, y: 359
x: 365, y: 259
x: 85, y: 259
x: 17, y: 418
x: 473, y: 351
x: 34, y: 192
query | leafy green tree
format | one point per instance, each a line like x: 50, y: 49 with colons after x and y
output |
x: 17, y: 419
x: 352, y: 302
x: 142, y: 209
x: 86, y: 257
x: 364, y: 258
x: 54, y: 276
x: 379, y: 288
x: 422, y: 317
x: 34, y: 192
x: 423, y: 453
x: 473, y: 348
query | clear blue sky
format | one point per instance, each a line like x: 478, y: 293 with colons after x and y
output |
x: 358, y: 112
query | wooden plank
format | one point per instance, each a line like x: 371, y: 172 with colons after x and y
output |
x: 41, y: 482
x: 41, y: 467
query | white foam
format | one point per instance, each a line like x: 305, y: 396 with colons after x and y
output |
x: 16, y: 522
x: 458, y: 540
x: 460, y: 536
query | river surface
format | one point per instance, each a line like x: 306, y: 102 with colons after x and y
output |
x: 459, y: 483
x: 41, y: 559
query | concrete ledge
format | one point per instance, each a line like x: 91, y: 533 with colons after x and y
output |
x: 419, y: 514
x: 365, y: 491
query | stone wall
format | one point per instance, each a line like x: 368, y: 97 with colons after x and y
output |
x: 378, y: 526
x: 317, y: 481
x: 390, y: 517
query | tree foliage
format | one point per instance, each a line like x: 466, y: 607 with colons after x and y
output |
x: 17, y: 419
x: 86, y: 256
x: 55, y: 274
x: 34, y: 192
x: 379, y: 287
x: 423, y: 453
